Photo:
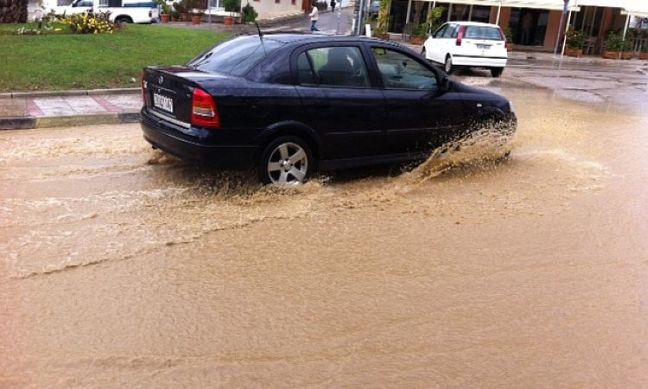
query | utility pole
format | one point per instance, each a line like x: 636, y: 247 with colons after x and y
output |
x: 560, y: 30
x: 360, y: 16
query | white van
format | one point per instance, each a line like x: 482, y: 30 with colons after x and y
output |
x: 121, y: 11
x: 469, y: 44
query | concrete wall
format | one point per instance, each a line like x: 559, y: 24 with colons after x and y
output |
x: 268, y: 9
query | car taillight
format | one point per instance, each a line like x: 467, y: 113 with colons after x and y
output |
x: 460, y: 35
x: 203, y: 110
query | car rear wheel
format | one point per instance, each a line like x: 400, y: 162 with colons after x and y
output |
x: 449, y: 68
x: 496, y: 72
x: 286, y: 161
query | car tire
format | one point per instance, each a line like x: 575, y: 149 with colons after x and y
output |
x: 423, y: 52
x: 496, y: 72
x: 448, y: 66
x: 123, y: 19
x: 287, y: 160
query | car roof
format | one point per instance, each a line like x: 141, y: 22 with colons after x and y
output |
x: 297, y: 37
x: 467, y: 23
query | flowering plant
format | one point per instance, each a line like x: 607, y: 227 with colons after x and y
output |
x: 90, y: 23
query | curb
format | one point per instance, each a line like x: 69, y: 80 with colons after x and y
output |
x: 30, y: 122
x: 70, y: 92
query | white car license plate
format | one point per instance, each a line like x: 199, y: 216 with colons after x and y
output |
x: 483, y: 47
x: 162, y: 102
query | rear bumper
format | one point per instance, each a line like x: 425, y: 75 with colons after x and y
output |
x: 477, y: 61
x: 196, y: 147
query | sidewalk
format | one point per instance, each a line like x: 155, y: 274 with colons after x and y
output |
x: 69, y: 108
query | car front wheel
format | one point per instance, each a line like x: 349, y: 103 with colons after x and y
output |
x: 286, y: 160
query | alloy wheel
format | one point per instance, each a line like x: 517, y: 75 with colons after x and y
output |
x: 287, y: 164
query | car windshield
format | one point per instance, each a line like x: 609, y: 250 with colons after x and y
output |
x: 480, y: 32
x: 236, y: 56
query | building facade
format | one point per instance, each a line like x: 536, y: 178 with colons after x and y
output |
x: 535, y: 25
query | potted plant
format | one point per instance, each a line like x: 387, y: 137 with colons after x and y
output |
x: 419, y: 34
x: 196, y: 15
x: 508, y: 34
x: 248, y: 14
x: 575, y: 41
x: 165, y: 11
x: 616, y: 47
x: 233, y: 7
x: 382, y: 22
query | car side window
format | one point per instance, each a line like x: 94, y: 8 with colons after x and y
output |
x: 440, y: 31
x: 400, y: 71
x: 305, y: 75
x: 335, y: 66
x: 451, y: 31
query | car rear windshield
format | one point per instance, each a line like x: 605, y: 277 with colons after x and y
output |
x: 235, y: 56
x: 479, y: 32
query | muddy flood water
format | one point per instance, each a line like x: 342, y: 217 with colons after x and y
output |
x: 120, y: 267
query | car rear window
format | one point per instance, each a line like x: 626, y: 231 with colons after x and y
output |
x: 235, y: 56
x: 479, y: 32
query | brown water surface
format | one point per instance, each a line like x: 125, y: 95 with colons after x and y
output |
x: 123, y: 267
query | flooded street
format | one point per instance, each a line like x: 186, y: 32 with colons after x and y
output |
x: 123, y: 267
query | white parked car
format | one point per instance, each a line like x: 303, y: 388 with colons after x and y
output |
x: 469, y: 44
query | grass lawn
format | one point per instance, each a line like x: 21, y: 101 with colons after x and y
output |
x: 71, y: 61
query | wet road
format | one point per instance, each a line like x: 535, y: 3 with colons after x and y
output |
x: 121, y: 267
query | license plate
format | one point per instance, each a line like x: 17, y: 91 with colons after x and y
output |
x: 162, y: 102
x: 483, y: 47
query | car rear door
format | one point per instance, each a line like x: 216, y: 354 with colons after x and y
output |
x: 338, y: 100
x: 419, y: 114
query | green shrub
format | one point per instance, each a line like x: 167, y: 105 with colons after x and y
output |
x: 508, y: 33
x: 248, y: 14
x: 615, y: 42
x: 432, y: 22
x: 382, y: 22
x: 575, y: 39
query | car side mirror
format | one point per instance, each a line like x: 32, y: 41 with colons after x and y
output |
x: 445, y: 83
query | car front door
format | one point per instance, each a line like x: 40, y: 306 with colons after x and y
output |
x: 419, y: 114
x: 339, y: 102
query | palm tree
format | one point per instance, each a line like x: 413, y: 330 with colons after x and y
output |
x: 13, y: 11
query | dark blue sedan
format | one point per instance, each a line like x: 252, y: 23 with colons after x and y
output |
x: 289, y: 104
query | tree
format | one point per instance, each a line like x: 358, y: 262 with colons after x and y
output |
x: 13, y: 11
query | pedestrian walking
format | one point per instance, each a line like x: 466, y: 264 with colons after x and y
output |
x: 333, y: 5
x: 313, y: 17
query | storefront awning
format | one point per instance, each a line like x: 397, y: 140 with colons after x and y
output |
x: 633, y: 7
